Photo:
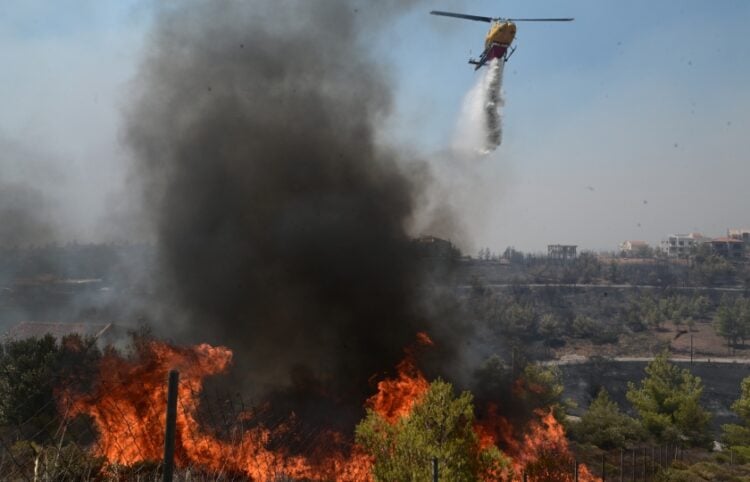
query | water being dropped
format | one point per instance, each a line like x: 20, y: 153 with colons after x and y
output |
x: 480, y: 129
x: 493, y: 105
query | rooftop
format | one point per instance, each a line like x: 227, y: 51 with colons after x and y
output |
x: 724, y: 239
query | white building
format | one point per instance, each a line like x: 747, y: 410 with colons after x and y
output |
x: 680, y: 245
x: 634, y: 248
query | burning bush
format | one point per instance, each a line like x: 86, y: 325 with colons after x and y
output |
x: 440, y: 426
x: 409, y: 423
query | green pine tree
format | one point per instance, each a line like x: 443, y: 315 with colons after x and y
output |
x: 605, y: 426
x: 668, y: 403
x: 737, y: 436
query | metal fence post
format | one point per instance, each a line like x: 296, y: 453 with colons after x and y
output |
x: 669, y: 457
x: 691, y: 350
x: 169, y: 433
x: 622, y: 465
x: 435, y: 472
x: 653, y: 460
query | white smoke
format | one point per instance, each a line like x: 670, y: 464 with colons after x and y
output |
x: 479, y: 129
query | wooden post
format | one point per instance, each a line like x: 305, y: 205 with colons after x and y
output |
x: 575, y: 470
x: 435, y: 471
x: 633, y: 454
x: 622, y: 465
x: 644, y: 463
x: 169, y: 432
x: 604, y: 467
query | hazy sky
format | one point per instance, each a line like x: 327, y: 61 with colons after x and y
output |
x: 629, y: 123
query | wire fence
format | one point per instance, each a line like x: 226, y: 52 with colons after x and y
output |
x: 221, y: 436
x: 71, y: 448
x: 51, y: 445
x: 644, y: 463
x: 54, y: 443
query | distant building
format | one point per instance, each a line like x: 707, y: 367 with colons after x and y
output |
x: 728, y: 247
x: 634, y: 248
x: 680, y: 245
x: 562, y: 251
x: 740, y: 234
x: 104, y: 333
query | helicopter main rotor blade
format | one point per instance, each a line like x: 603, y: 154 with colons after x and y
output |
x: 463, y: 16
x: 540, y: 19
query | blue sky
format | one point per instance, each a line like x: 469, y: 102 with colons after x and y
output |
x: 579, y: 60
x: 646, y: 103
x: 629, y: 123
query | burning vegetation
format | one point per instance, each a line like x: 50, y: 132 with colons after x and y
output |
x: 409, y: 423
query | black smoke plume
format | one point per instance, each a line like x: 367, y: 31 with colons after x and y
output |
x: 281, y: 221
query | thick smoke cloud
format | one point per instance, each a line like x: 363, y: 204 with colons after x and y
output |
x: 281, y: 222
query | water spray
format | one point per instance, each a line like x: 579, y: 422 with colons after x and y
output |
x: 480, y: 129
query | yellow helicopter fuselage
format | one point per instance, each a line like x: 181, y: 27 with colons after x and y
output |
x: 501, y: 32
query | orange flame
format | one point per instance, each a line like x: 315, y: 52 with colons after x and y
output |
x: 128, y: 401
x: 396, y: 397
x: 127, y: 406
x: 542, y: 452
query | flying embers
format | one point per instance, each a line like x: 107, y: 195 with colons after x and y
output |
x: 498, y: 44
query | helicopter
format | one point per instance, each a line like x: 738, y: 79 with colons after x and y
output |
x: 499, y: 40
